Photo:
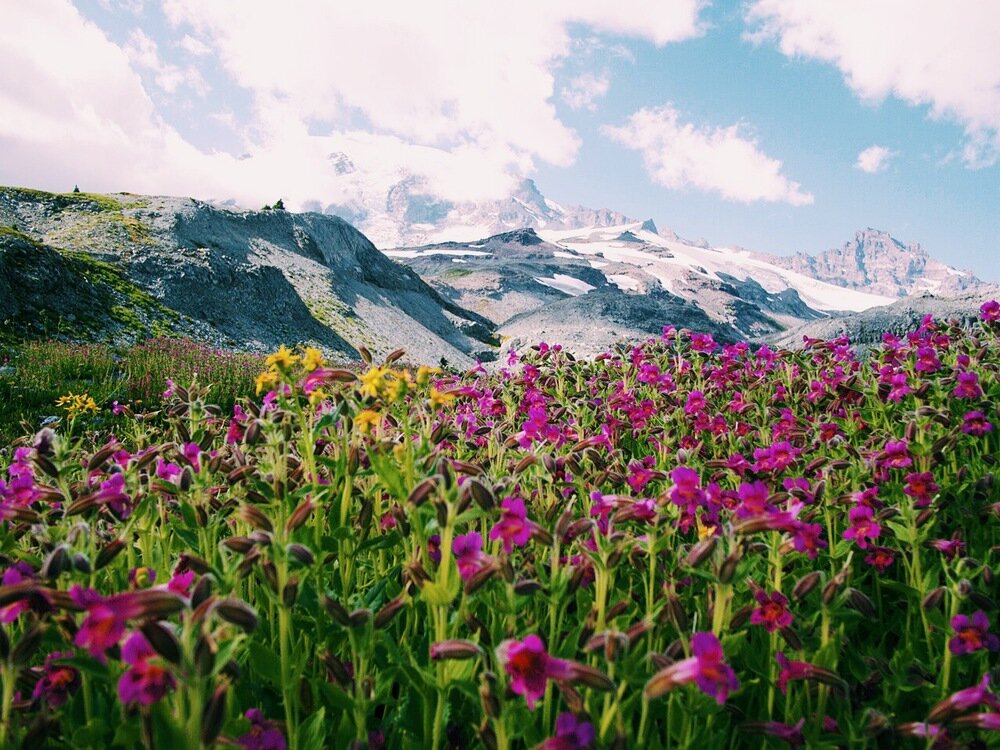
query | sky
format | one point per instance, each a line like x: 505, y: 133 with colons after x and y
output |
x: 776, y: 125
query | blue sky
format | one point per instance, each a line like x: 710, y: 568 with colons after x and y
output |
x: 777, y: 125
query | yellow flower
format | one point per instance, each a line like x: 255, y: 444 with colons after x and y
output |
x: 424, y: 374
x: 440, y: 398
x: 312, y: 358
x: 266, y: 381
x: 703, y: 530
x: 366, y: 420
x: 373, y: 382
x: 76, y: 404
x: 282, y: 359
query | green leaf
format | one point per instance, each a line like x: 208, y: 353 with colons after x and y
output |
x: 188, y: 514
x: 265, y: 663
x: 93, y: 734
x: 310, y: 734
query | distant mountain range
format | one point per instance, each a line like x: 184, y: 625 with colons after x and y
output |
x: 122, y: 266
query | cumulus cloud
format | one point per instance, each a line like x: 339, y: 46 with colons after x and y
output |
x: 718, y: 160
x: 583, y: 91
x: 874, y: 159
x: 459, y: 96
x: 943, y: 55
x: 143, y: 52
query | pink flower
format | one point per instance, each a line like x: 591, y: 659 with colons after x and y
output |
x: 863, y: 526
x: 513, y: 526
x: 104, y: 623
x: 990, y: 311
x: 896, y: 455
x: 705, y: 668
x: 968, y: 386
x: 773, y: 611
x: 753, y: 499
x: 58, y: 681
x: 571, y: 734
x: 686, y: 492
x: 791, y: 670
x: 529, y: 667
x: 263, y: 734
x: 921, y: 488
x: 950, y: 548
x: 16, y: 573
x: 975, y: 423
x: 972, y: 634
x: 469, y: 557
x: 880, y: 558
x: 790, y: 733
x: 147, y: 680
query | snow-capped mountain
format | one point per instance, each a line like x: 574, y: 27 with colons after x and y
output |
x: 401, y: 210
x: 876, y: 262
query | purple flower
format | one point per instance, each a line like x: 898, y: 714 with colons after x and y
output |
x: 147, y: 680
x: 976, y: 423
x: 921, y: 487
x: 968, y: 386
x: 58, y: 681
x: 963, y: 700
x: 705, y: 668
x: 791, y: 670
x: 192, y: 454
x: 686, y: 492
x: 773, y: 611
x: 896, y: 454
x: 972, y: 634
x: 469, y: 557
x: 880, y: 558
x: 263, y: 734
x: 16, y: 573
x: 863, y: 526
x: 513, y: 526
x: 529, y: 667
x: 753, y: 499
x: 990, y: 311
x: 571, y: 734
x: 790, y: 733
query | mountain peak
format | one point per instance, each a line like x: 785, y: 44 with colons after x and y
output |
x: 649, y: 226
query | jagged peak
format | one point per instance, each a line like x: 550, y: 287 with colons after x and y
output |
x: 523, y: 236
x: 649, y: 226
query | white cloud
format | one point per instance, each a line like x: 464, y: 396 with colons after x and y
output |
x: 583, y: 91
x: 718, y: 160
x: 474, y: 80
x: 874, y: 159
x: 193, y: 46
x: 944, y: 55
x: 143, y: 52
x: 457, y: 95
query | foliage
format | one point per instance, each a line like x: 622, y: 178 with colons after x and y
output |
x: 672, y: 545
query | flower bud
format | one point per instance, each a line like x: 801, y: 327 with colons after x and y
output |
x: 964, y: 587
x: 163, y: 641
x: 860, y: 602
x: 26, y: 646
x: 359, y: 617
x: 933, y: 598
x: 300, y: 515
x: 392, y: 608
x: 204, y: 655
x: 455, y: 649
x: 56, y: 563
x: 255, y: 518
x: 213, y: 714
x: 701, y: 551
x: 728, y: 568
x: 238, y: 613
x: 806, y: 584
x: 336, y: 610
x: 290, y: 593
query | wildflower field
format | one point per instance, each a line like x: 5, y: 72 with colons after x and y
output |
x: 677, y: 544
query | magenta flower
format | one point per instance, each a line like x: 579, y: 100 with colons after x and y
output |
x: 513, y: 526
x: 705, y: 668
x: 975, y: 423
x: 58, y: 681
x: 990, y: 311
x: 808, y: 538
x: 968, y: 386
x: 686, y: 492
x: 192, y: 454
x: 896, y: 454
x: 571, y: 734
x: 263, y: 734
x: 16, y: 573
x: 469, y: 556
x: 147, y: 680
x: 789, y: 733
x: 434, y: 548
x: 972, y: 634
x: 753, y: 499
x: 791, y: 670
x: 104, y: 623
x: 773, y: 611
x: 881, y: 558
x: 963, y: 700
x: 900, y: 387
x: 529, y: 667
x: 921, y: 487
x: 950, y: 548
x: 863, y: 526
